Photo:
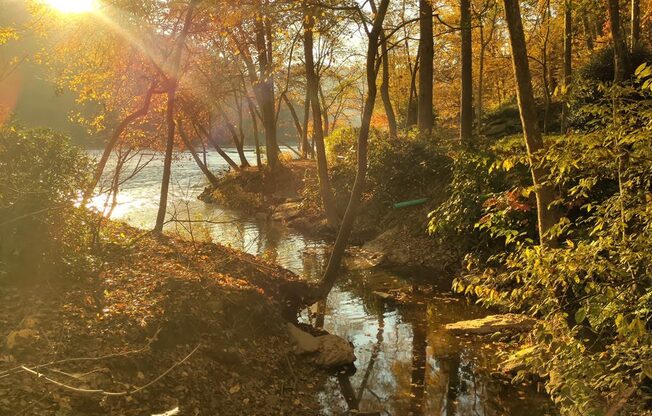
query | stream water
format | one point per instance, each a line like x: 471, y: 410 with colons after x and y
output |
x: 406, y: 363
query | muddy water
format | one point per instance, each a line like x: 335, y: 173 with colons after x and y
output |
x: 406, y: 363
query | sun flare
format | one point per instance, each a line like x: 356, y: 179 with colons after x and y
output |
x: 73, y: 6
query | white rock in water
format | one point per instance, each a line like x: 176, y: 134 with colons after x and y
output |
x: 329, y: 350
x: 334, y: 352
x: 492, y: 323
x: 304, y: 343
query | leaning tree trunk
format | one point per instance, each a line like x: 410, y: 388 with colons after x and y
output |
x: 466, y: 100
x: 202, y: 164
x: 384, y: 89
x: 254, y: 123
x: 173, y: 84
x: 620, y: 58
x: 238, y: 140
x: 207, y: 135
x: 328, y: 199
x: 425, y: 118
x: 295, y: 118
x: 547, y: 215
x: 334, y: 262
x: 306, y: 149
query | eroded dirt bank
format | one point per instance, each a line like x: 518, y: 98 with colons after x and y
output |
x: 163, y: 323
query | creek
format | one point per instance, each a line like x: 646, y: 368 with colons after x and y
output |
x: 407, y: 364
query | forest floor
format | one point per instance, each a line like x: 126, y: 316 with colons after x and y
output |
x: 164, y: 323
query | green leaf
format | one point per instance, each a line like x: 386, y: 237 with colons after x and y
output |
x: 640, y: 68
x: 580, y: 315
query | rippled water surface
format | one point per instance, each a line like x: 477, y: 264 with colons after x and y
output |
x: 406, y: 363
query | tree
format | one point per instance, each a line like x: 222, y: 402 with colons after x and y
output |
x: 546, y: 213
x: 172, y: 83
x: 334, y: 262
x: 620, y: 58
x: 425, y: 119
x: 466, y: 101
x: 260, y: 70
x: 312, y: 82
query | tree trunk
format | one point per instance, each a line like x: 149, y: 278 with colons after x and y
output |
x: 547, y: 215
x: 635, y: 24
x: 466, y: 101
x: 173, y: 83
x: 480, y: 81
x: 620, y: 58
x: 384, y: 89
x: 413, y: 106
x: 202, y: 165
x: 324, y: 110
x: 295, y: 118
x: 266, y: 89
x: 217, y: 147
x: 167, y: 162
x: 306, y: 149
x: 239, y: 144
x: 568, y: 56
x: 328, y: 199
x: 425, y: 119
x: 254, y: 123
x: 588, y: 32
x: 334, y: 262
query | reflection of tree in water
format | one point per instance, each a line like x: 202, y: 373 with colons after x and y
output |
x: 418, y: 378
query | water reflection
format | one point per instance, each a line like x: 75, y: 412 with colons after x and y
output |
x: 406, y: 363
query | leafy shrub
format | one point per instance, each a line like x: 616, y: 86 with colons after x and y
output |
x: 41, y: 176
x: 593, y: 293
x: 600, y: 67
x: 408, y: 167
x: 489, y: 200
x: 505, y: 120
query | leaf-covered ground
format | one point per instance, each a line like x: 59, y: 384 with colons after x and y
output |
x: 198, y: 325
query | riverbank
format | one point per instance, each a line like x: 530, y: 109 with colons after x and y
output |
x: 389, y: 237
x: 163, y: 323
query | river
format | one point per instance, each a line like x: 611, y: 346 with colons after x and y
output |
x: 406, y: 363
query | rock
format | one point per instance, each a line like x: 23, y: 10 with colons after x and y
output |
x: 329, y: 350
x: 304, y: 343
x: 360, y: 259
x: 383, y: 295
x: 287, y: 211
x: 492, y: 323
x: 334, y: 352
x: 387, y: 247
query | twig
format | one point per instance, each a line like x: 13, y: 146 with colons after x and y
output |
x: 104, y: 392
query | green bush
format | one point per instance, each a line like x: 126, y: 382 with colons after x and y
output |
x: 41, y: 176
x: 408, y: 167
x: 489, y: 200
x: 593, y: 294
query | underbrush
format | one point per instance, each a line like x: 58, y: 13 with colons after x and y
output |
x: 408, y: 167
x: 593, y: 293
x: 43, y: 231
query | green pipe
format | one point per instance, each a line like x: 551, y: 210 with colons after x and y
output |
x: 411, y: 203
